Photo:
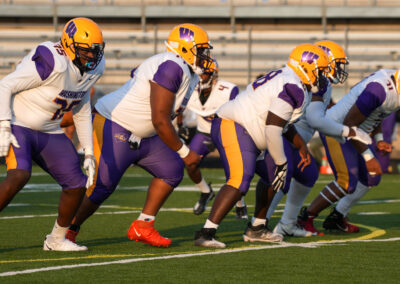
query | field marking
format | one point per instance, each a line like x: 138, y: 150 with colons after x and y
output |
x: 186, y: 255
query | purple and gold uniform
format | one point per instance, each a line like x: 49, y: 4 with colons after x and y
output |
x: 44, y: 86
x: 221, y: 92
x: 376, y: 97
x: 240, y: 133
x: 123, y: 131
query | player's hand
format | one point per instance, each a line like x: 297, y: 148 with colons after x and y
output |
x: 373, y: 167
x: 305, y: 158
x: 192, y: 160
x: 280, y: 177
x: 89, y: 165
x: 384, y: 147
x: 6, y: 138
x: 183, y: 132
x: 359, y: 135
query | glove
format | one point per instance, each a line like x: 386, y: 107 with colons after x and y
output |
x: 280, y: 177
x: 6, y: 138
x: 361, y: 136
x: 89, y: 166
x: 184, y: 133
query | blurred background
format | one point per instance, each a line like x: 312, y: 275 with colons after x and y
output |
x: 249, y: 37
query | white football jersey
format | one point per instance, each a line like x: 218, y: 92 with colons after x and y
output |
x: 221, y: 92
x: 129, y: 106
x: 376, y: 97
x: 303, y: 127
x: 280, y: 92
x: 45, y: 85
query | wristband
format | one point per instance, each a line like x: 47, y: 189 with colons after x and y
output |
x: 367, y: 155
x: 345, y: 131
x: 378, y: 137
x: 183, y: 151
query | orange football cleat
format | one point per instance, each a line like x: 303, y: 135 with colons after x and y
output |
x: 143, y: 231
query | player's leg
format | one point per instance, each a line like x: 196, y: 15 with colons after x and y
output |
x: 238, y: 154
x: 241, y: 209
x: 113, y: 156
x: 64, y: 166
x: 166, y: 177
x: 300, y: 186
x: 337, y: 219
x: 343, y: 159
x: 19, y: 166
x: 202, y: 145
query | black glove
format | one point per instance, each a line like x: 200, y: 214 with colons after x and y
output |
x: 280, y: 177
x: 184, y: 133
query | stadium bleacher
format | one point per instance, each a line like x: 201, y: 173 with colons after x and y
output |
x: 249, y: 37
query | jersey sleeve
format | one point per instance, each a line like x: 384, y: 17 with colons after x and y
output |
x: 290, y: 98
x: 30, y: 73
x: 234, y: 93
x: 371, y: 98
x: 169, y: 75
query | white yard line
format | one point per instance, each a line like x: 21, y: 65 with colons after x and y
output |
x: 224, y: 251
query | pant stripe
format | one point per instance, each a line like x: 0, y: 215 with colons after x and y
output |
x: 98, y: 126
x: 339, y: 162
x: 11, y: 160
x: 232, y: 151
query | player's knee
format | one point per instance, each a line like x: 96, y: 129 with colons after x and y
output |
x: 174, y: 181
x: 100, y: 194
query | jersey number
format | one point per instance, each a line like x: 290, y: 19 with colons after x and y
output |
x: 264, y: 79
x: 64, y: 107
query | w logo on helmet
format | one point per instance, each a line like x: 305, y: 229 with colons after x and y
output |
x: 309, y: 57
x: 71, y: 29
x: 186, y: 34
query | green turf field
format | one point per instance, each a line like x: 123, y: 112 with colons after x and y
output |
x: 371, y: 256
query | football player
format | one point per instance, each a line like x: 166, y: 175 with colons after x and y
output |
x: 354, y: 164
x: 209, y: 95
x: 314, y: 119
x: 254, y: 121
x: 51, y: 80
x: 133, y: 125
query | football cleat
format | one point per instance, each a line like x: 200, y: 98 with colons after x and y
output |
x: 336, y: 221
x: 293, y: 230
x: 51, y: 243
x: 307, y: 222
x: 201, y: 205
x: 241, y: 212
x: 143, y: 231
x: 206, y: 238
x: 260, y: 233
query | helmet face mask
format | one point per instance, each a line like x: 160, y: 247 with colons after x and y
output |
x: 191, y: 42
x: 209, y: 75
x: 83, y: 42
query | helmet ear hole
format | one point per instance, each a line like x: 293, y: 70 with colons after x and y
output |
x: 184, y: 50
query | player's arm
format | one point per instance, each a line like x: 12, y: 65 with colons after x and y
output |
x: 371, y: 98
x: 162, y: 103
x: 298, y: 142
x: 279, y: 113
x: 82, y: 117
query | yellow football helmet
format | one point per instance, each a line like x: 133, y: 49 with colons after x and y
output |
x: 210, y: 75
x: 311, y: 64
x: 82, y: 40
x: 191, y: 42
x: 337, y: 59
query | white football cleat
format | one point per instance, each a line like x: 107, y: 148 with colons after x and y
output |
x: 51, y: 243
x: 292, y: 230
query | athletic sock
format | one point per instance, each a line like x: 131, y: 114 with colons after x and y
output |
x: 145, y: 217
x: 58, y: 232
x: 345, y: 203
x: 203, y: 186
x: 295, y: 199
x: 274, y: 203
x: 210, y: 225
